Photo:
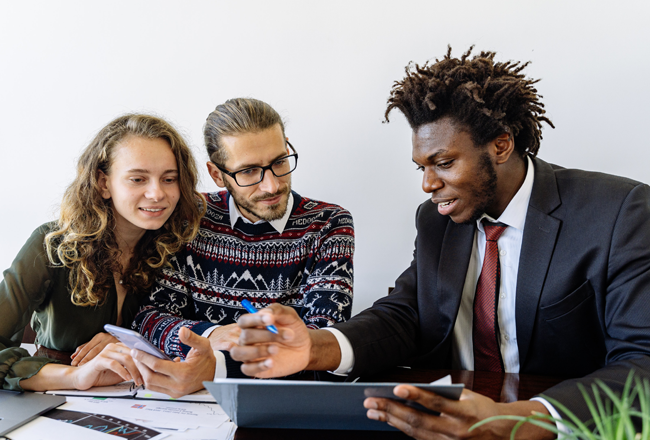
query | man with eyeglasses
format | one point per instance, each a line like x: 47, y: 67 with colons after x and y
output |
x: 258, y: 241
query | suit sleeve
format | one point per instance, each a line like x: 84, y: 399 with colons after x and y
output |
x: 626, y: 305
x: 387, y: 333
x: 327, y: 292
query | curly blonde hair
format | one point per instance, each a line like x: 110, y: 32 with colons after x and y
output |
x: 83, y: 239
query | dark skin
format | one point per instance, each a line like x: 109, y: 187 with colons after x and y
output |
x: 451, y: 163
x: 455, y: 174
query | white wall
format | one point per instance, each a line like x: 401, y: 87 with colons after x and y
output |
x: 68, y: 67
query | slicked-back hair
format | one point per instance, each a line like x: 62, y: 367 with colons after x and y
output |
x: 484, y: 97
x: 234, y: 117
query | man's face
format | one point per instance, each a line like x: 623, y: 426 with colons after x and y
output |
x: 460, y: 177
x: 268, y: 199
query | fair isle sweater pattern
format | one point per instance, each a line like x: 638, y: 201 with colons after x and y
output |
x: 307, y: 267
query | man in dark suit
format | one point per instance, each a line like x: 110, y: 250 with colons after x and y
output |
x: 519, y: 266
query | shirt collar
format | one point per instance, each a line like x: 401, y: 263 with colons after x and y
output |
x: 515, y: 213
x: 278, y: 224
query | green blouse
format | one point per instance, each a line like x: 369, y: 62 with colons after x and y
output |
x: 35, y: 289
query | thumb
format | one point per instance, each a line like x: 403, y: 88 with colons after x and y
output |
x: 188, y: 337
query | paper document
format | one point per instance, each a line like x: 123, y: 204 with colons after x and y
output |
x: 128, y: 389
x: 152, y: 413
x: 106, y: 424
x: 442, y: 381
x: 224, y: 432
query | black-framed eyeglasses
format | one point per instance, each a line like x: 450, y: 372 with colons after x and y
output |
x: 254, y: 175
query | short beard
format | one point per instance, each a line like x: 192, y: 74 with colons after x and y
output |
x: 486, y: 189
x: 270, y: 213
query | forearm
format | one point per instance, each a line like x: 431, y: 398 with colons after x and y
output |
x: 50, y: 377
x: 161, y: 329
x: 325, y: 353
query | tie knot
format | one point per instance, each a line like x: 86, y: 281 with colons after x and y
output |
x: 493, y: 230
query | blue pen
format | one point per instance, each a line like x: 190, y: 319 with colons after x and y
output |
x: 248, y: 306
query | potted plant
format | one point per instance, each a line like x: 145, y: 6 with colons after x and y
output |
x: 612, y: 416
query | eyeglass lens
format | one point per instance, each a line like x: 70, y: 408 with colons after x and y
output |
x: 254, y: 175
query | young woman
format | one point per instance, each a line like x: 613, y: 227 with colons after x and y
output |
x: 132, y: 205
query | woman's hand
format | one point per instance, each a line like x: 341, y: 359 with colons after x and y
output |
x: 86, y: 352
x: 112, y: 365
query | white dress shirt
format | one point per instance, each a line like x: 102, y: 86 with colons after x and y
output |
x: 509, y: 244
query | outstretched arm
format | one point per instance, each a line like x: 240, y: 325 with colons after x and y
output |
x: 295, y: 348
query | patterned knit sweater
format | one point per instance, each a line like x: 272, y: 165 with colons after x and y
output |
x: 307, y: 267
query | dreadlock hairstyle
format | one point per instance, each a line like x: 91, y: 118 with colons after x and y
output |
x: 484, y: 97
x: 83, y: 239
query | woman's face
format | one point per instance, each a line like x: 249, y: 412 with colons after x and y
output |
x: 142, y: 184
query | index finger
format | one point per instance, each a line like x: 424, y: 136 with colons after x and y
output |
x: 81, y: 352
x: 155, y: 364
x: 254, y: 320
x: 90, y: 355
x: 120, y: 353
x: 275, y: 314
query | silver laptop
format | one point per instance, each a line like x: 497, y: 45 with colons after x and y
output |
x: 18, y: 408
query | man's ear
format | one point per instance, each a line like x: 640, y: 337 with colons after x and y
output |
x: 216, y: 174
x: 102, y: 181
x: 504, y: 146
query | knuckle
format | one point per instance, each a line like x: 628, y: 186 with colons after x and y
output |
x: 407, y: 428
x: 234, y: 353
x: 413, y: 419
x: 245, y: 337
x: 383, y: 404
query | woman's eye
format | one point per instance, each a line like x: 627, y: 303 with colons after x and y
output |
x: 137, y: 179
x: 171, y: 179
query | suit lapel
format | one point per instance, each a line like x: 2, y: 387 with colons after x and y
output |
x: 452, y: 270
x: 538, y: 243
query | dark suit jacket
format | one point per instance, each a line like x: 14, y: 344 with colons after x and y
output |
x: 583, y: 287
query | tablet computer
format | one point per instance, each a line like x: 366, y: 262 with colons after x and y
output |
x: 259, y: 403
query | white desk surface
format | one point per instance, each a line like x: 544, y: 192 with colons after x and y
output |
x: 42, y: 427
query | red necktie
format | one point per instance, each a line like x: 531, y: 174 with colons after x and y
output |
x: 487, y: 355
